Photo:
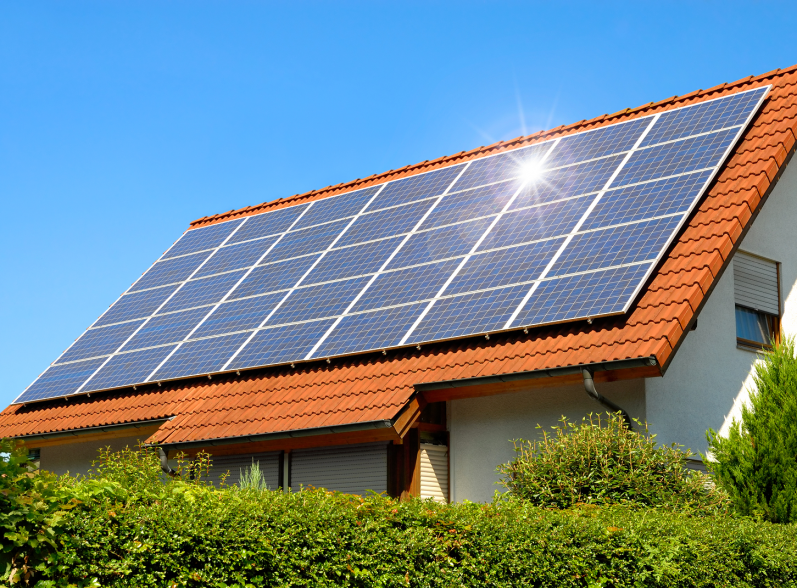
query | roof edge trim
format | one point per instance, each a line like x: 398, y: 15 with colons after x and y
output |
x: 90, y: 430
x: 605, y: 366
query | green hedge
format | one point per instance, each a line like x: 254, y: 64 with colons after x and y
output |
x: 128, y: 528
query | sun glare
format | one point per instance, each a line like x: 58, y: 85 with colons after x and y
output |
x: 532, y: 171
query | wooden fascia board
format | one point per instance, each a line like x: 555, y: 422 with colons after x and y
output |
x: 70, y: 438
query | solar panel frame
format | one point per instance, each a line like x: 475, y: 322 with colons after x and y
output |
x: 501, y: 171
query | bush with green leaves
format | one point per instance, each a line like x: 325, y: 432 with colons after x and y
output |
x: 757, y: 462
x: 601, y: 461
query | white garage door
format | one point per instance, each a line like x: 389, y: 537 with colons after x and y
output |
x: 352, y: 469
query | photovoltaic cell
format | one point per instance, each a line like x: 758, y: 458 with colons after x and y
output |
x: 127, y: 368
x: 268, y: 223
x: 406, y: 285
x: 371, y: 330
x: 99, y: 341
x: 60, y: 380
x: 504, y: 267
x: 205, y: 356
x: 203, y: 291
x: 469, y: 314
x: 170, y: 271
x: 598, y: 143
x: 416, y: 187
x: 136, y: 305
x: 442, y: 243
x: 326, y: 252
x: 275, y: 276
x: 239, y: 315
x: 581, y: 296
x: 385, y: 223
x: 621, y: 245
x: 167, y: 328
x: 281, y: 344
x: 704, y: 117
x: 642, y: 201
x: 336, y: 207
x: 202, y: 239
x: 675, y: 158
x: 315, y: 302
x: 540, y: 222
x: 353, y: 261
x: 235, y: 257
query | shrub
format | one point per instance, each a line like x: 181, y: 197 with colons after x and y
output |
x: 757, y: 462
x: 601, y: 461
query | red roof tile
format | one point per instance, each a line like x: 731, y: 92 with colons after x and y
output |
x: 371, y: 388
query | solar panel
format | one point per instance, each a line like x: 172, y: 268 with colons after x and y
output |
x: 469, y: 249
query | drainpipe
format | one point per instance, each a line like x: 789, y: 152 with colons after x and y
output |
x: 165, y: 463
x: 589, y: 386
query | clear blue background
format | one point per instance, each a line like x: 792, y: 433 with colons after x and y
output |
x: 120, y: 122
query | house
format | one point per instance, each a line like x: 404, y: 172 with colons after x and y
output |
x: 436, y: 419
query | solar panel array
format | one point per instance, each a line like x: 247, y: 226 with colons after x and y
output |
x: 561, y: 230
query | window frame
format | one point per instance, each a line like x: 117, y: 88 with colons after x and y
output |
x: 774, y: 321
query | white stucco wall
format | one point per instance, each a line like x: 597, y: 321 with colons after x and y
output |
x: 482, y: 429
x: 76, y: 458
x: 708, y: 379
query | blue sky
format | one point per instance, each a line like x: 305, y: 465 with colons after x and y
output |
x: 120, y: 122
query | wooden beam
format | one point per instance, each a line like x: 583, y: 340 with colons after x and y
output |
x: 410, y: 414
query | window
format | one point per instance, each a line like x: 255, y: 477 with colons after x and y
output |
x: 757, y: 293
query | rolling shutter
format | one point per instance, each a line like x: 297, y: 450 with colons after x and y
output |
x: 269, y: 466
x: 434, y: 472
x: 352, y: 469
x: 755, y: 283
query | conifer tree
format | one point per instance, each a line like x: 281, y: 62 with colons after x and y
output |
x: 757, y: 462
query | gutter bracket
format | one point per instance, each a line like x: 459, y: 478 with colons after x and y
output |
x: 589, y: 386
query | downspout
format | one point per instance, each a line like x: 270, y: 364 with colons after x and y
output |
x: 589, y: 386
x: 165, y: 463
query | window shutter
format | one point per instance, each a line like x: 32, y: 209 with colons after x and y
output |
x: 755, y: 283
x: 434, y: 472
x: 352, y: 469
x: 269, y: 465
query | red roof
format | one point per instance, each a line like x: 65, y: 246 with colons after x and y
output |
x: 375, y: 388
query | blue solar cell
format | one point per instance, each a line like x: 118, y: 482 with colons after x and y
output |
x: 99, y: 341
x: 385, y: 223
x: 504, y: 267
x: 705, y: 117
x: 416, y: 187
x: 675, y: 158
x: 239, y: 315
x: 540, y: 222
x: 170, y: 271
x: 352, y: 261
x: 203, y: 291
x: 371, y: 330
x: 584, y: 178
x: 407, y: 285
x: 500, y: 167
x: 60, y: 380
x: 233, y: 257
x: 336, y: 207
x: 281, y: 344
x: 137, y: 305
x: 317, y: 302
x: 268, y: 223
x: 202, y: 238
x: 205, y: 356
x: 166, y: 328
x: 442, y: 243
x: 598, y: 143
x: 620, y: 245
x: 581, y: 296
x: 649, y: 200
x: 462, y: 206
x: 274, y: 276
x: 312, y: 240
x: 127, y: 369
x: 469, y: 314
